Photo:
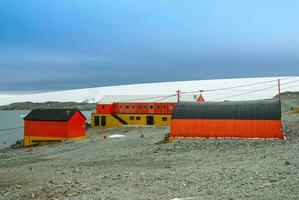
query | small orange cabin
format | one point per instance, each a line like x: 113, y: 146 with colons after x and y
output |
x: 241, y: 119
x: 52, y: 125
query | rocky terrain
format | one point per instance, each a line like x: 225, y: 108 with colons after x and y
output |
x: 135, y: 167
x: 289, y: 101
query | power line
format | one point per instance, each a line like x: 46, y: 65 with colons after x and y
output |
x: 8, y: 129
x: 165, y: 98
x: 210, y: 90
x: 257, y: 90
x: 293, y: 86
x: 4, y: 133
x: 236, y: 95
x: 213, y: 90
x: 290, y: 82
x: 146, y: 98
x: 271, y: 86
x: 238, y: 86
x: 247, y: 85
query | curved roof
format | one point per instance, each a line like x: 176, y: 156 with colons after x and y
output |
x: 51, y: 114
x: 261, y: 109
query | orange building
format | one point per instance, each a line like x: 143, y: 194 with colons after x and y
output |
x: 43, y: 126
x: 132, y: 113
x: 240, y: 119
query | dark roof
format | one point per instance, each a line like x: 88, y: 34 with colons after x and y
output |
x: 51, y: 114
x: 261, y: 109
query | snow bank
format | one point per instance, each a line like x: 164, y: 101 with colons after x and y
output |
x: 92, y: 95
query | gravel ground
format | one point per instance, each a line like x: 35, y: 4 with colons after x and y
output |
x: 133, y: 167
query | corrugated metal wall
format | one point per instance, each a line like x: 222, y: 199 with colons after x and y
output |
x: 244, y: 119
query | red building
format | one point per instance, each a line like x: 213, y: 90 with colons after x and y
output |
x: 53, y: 125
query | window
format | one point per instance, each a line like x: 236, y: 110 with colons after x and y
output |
x: 131, y: 118
x: 151, y: 107
x: 158, y: 107
x: 103, y: 120
x: 164, y: 119
x: 127, y: 106
x: 138, y: 118
x: 103, y: 107
x: 133, y: 106
x: 164, y: 107
x: 96, y: 121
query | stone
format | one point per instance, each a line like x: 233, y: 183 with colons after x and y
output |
x: 287, y: 162
x: 76, y: 170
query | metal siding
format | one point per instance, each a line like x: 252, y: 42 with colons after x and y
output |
x: 226, y: 128
x: 263, y: 110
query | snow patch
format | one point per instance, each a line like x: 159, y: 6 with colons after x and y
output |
x: 117, y: 136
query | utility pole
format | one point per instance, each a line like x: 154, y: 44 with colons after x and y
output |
x: 279, y: 97
x: 279, y: 91
x: 178, y: 95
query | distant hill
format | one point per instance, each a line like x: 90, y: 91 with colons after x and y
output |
x: 50, y: 104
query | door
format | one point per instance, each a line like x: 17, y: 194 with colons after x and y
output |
x: 96, y: 121
x: 103, y: 120
x: 149, y: 120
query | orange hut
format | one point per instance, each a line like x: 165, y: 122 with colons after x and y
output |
x: 43, y: 126
x: 240, y: 119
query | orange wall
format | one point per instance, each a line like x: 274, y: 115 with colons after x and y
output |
x: 226, y: 128
x: 105, y: 108
x: 75, y: 127
x: 45, y: 128
x: 136, y: 108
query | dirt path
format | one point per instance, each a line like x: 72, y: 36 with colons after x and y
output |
x: 138, y: 168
